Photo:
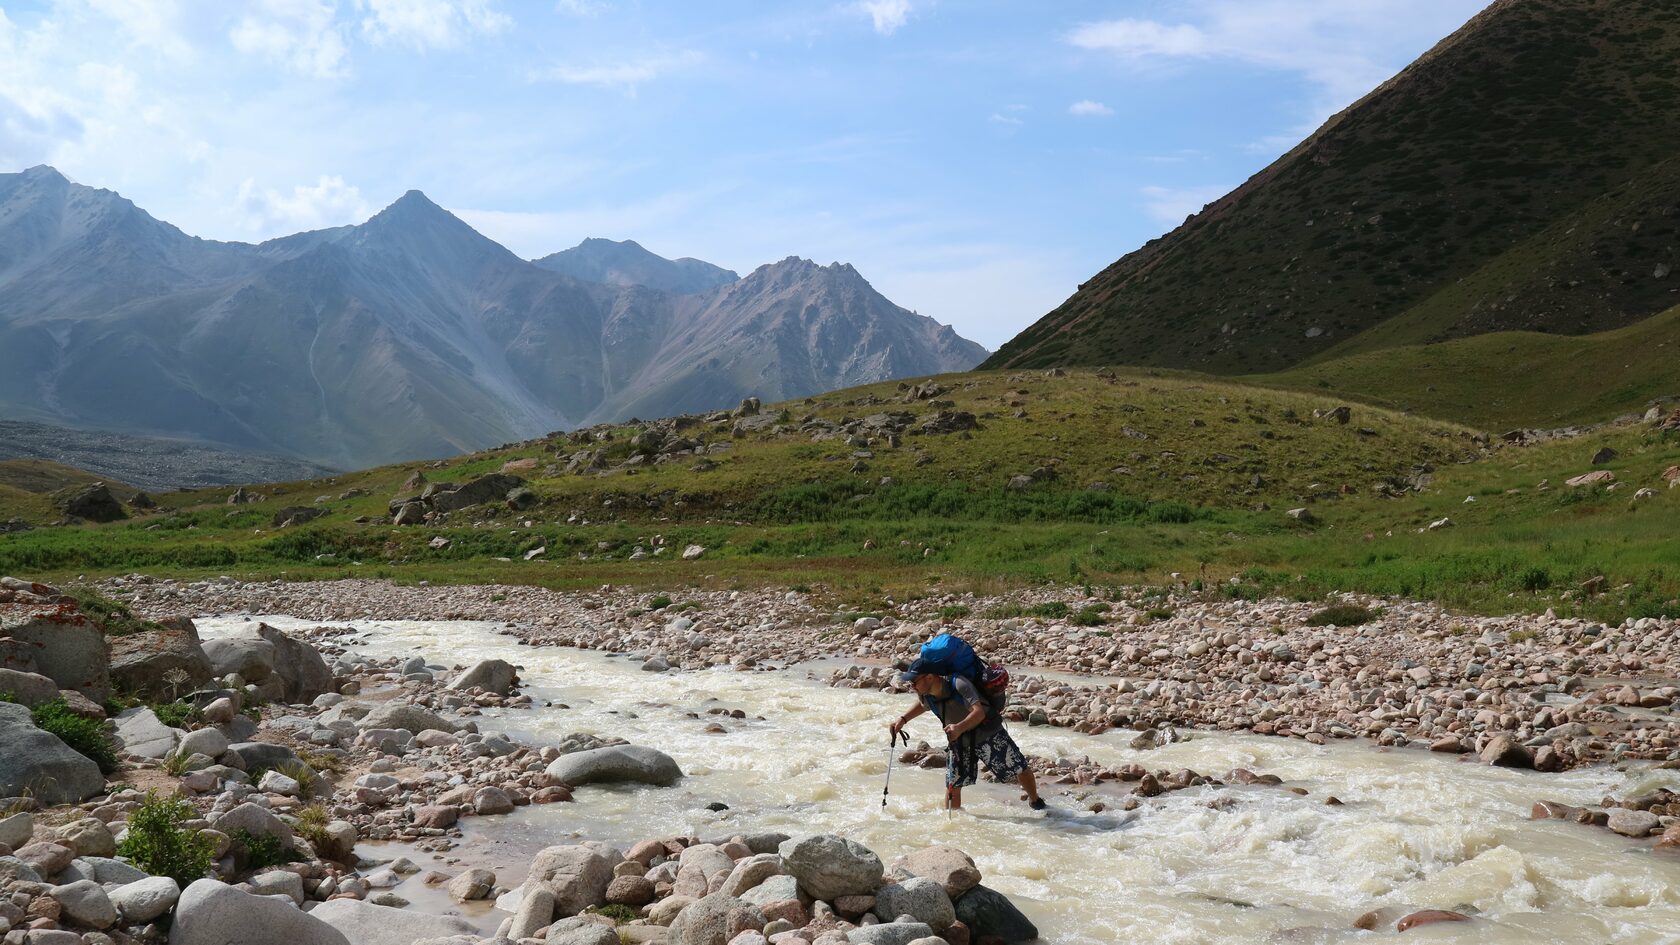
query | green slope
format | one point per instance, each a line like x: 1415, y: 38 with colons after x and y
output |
x: 1503, y: 380
x: 1537, y: 114
x: 1198, y: 474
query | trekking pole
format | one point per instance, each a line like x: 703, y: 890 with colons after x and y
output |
x: 892, y: 754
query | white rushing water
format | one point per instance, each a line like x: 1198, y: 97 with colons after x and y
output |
x: 1415, y: 830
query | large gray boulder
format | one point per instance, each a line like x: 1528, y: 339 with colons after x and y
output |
x: 214, y: 913
x: 615, y: 764
x: 775, y: 889
x: 367, y: 924
x: 411, y: 718
x: 139, y: 732
x: 715, y: 920
x: 922, y: 899
x: 582, y: 930
x: 303, y: 673
x: 69, y: 649
x: 496, y: 676
x: 144, y: 664
x: 253, y: 819
x: 30, y: 689
x: 94, y: 503
x: 145, y: 899
x: 246, y: 654
x: 989, y: 912
x: 447, y: 496
x: 578, y: 877
x: 39, y: 765
x: 946, y: 865
x: 889, y: 933
x: 828, y: 866
x: 254, y: 755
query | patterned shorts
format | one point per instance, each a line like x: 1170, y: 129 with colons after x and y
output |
x: 998, y: 753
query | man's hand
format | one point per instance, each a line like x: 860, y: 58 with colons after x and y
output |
x: 894, y: 727
x: 953, y: 732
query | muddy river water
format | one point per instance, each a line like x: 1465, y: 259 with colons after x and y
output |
x: 1414, y: 830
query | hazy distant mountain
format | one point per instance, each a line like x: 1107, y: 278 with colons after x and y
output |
x: 627, y: 263
x: 410, y: 335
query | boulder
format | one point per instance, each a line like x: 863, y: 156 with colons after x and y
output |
x: 67, y: 648
x: 254, y: 755
x: 715, y: 920
x: 750, y: 872
x: 410, y: 718
x: 988, y: 912
x: 472, y: 885
x: 143, y: 664
x: 364, y: 923
x: 614, y: 764
x: 30, y: 689
x: 536, y: 911
x: 139, y: 732
x: 209, y: 742
x: 253, y: 819
x: 923, y: 899
x: 214, y: 913
x: 303, y: 672
x: 581, y: 931
x: 496, y: 676
x: 145, y: 899
x: 250, y: 656
x: 16, y: 830
x: 447, y: 497
x: 1506, y: 752
x: 774, y: 889
x: 948, y: 866
x: 1633, y: 823
x: 88, y: 837
x: 889, y: 933
x: 85, y: 903
x: 296, y: 515
x: 828, y: 866
x: 39, y: 765
x: 578, y: 876
x: 94, y: 503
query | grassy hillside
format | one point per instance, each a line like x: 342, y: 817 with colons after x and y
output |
x: 1141, y: 477
x: 1506, y: 380
x: 29, y: 487
x: 1425, y: 195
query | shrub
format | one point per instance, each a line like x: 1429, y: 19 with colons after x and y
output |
x: 258, y: 851
x: 1089, y: 616
x: 1536, y: 579
x: 86, y: 736
x: 620, y: 914
x: 312, y: 826
x: 175, y: 714
x: 1158, y: 613
x: 953, y: 612
x: 659, y: 603
x: 1342, y: 615
x: 157, y: 843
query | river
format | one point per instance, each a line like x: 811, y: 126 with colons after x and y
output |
x: 1414, y: 829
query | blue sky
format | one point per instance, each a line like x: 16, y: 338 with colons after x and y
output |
x: 975, y: 160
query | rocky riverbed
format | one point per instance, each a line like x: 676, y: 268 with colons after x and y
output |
x: 491, y: 795
x: 1543, y: 692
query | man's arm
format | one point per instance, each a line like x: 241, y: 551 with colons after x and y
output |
x: 904, y: 719
x: 976, y: 715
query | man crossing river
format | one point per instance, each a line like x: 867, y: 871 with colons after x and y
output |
x: 973, y: 728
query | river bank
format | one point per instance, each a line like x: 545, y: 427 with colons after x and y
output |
x: 1535, y: 692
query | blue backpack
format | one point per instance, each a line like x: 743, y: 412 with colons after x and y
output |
x: 951, y: 656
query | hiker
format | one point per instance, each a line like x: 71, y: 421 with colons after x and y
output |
x: 973, y: 730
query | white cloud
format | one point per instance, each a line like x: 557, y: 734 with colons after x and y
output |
x: 627, y: 74
x: 429, y: 24
x: 582, y: 7
x: 298, y: 34
x: 1086, y: 107
x: 888, y: 15
x: 328, y: 202
x: 154, y: 24
x: 1004, y: 118
x: 1141, y: 38
x: 1344, y: 48
x: 1171, y: 205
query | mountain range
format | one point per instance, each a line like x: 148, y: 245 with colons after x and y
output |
x: 408, y: 336
x: 1520, y: 176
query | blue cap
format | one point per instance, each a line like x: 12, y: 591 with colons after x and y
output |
x: 918, y: 667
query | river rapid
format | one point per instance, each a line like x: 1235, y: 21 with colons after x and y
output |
x: 1205, y: 865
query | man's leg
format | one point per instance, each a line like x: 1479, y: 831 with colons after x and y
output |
x: 953, y: 796
x: 1030, y: 785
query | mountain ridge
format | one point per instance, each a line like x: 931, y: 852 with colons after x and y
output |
x: 410, y: 335
x: 1522, y: 120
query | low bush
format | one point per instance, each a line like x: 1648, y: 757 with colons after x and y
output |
x: 86, y: 736
x: 157, y: 843
x: 257, y: 851
x: 1342, y: 615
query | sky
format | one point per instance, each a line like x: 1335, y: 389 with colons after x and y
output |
x: 974, y: 159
